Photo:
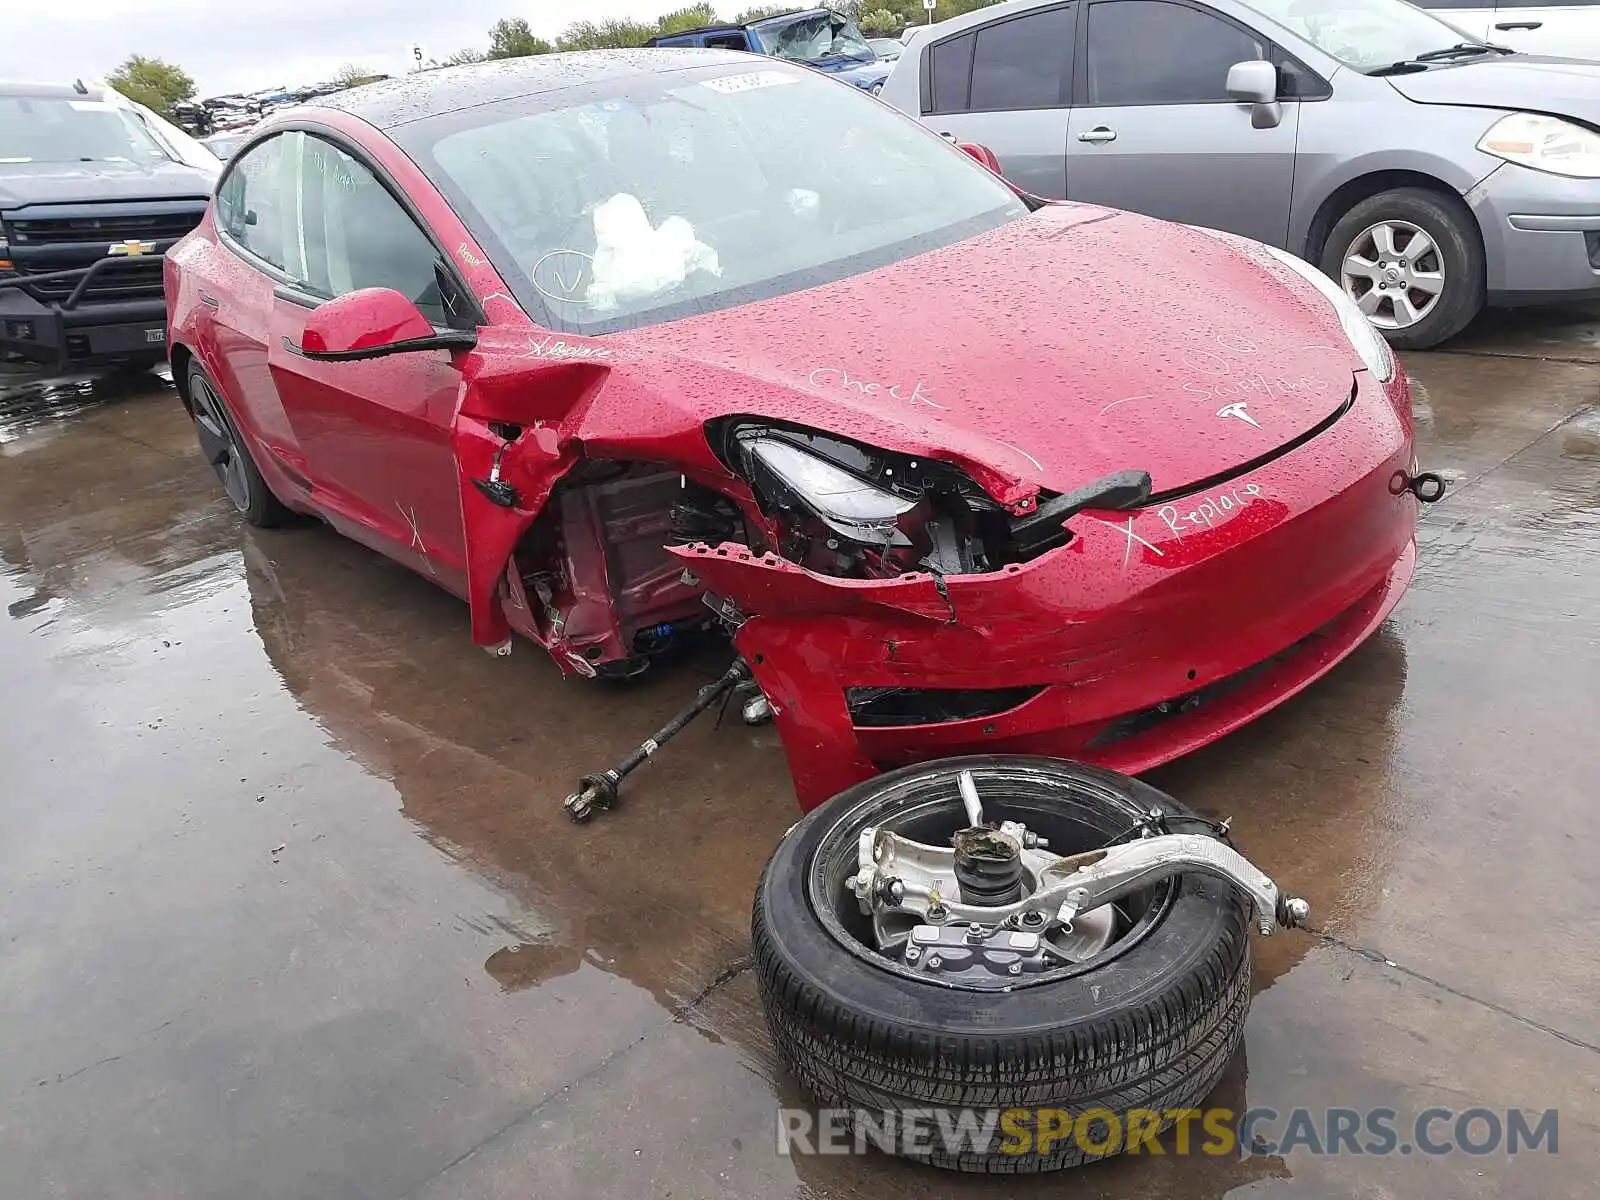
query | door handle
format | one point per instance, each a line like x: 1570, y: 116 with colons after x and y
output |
x: 1098, y: 134
x: 1519, y: 25
x: 210, y: 301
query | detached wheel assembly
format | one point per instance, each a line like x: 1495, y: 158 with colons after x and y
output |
x: 1003, y: 933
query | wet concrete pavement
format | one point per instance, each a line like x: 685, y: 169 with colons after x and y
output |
x: 288, y: 906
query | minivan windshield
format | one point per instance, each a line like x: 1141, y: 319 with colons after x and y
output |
x: 652, y: 197
x: 1366, y: 34
x: 54, y: 130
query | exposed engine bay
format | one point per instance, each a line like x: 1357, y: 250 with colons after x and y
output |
x: 600, y: 585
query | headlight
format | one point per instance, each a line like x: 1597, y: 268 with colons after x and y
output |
x: 1363, y: 336
x: 1545, y: 144
x: 844, y: 503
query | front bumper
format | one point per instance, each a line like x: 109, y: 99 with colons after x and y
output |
x: 1541, y: 236
x: 1148, y: 635
x: 74, y: 331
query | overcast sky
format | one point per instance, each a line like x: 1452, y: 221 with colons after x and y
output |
x: 239, y: 46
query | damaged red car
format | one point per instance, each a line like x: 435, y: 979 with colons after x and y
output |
x: 613, y: 346
x: 625, y: 348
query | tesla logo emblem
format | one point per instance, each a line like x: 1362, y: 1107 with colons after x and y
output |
x: 1237, y: 409
x: 131, y: 248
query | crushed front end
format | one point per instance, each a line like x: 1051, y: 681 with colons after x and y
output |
x: 893, y: 611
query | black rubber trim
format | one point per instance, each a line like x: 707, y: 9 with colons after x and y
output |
x: 1294, y: 443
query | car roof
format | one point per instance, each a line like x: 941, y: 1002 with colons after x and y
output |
x: 428, y: 93
x: 48, y: 91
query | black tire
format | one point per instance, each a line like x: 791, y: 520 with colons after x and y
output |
x: 219, y: 435
x: 1454, y: 231
x: 1151, y: 1024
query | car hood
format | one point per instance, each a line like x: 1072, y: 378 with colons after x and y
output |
x: 1561, y: 86
x: 861, y: 73
x: 1046, y: 353
x: 22, y: 184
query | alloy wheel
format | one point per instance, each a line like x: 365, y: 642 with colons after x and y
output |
x: 219, y: 443
x: 1394, y: 273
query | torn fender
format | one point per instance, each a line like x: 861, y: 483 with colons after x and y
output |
x: 513, y: 426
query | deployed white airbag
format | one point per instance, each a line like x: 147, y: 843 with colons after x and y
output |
x: 633, y: 260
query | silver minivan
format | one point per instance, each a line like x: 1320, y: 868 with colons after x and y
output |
x: 1428, y: 172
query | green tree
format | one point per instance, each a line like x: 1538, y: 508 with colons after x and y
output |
x: 763, y: 10
x: 692, y: 17
x: 510, y: 37
x: 615, y: 34
x: 153, y: 83
x: 611, y: 34
x: 881, y: 22
x: 468, y: 55
x: 350, y: 75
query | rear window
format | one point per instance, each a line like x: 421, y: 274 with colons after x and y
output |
x: 1021, y: 63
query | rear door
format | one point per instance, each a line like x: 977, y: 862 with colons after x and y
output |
x: 1008, y: 85
x: 1157, y: 132
x: 376, y: 433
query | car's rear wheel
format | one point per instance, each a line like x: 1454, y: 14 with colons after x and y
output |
x: 1412, y: 260
x: 1134, y: 1020
x: 227, y: 453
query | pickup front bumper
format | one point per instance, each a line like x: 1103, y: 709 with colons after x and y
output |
x: 77, y: 330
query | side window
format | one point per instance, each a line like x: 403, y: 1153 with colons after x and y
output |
x: 356, y: 235
x: 1152, y: 52
x: 256, y: 200
x: 1025, y: 62
x: 1296, y: 81
x: 950, y: 69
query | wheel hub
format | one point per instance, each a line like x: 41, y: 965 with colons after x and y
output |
x: 1394, y: 272
x: 993, y: 906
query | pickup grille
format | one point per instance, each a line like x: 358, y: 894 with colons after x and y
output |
x: 41, y: 245
x: 77, y: 230
x: 136, y: 279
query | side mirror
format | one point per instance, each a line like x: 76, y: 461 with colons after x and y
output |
x: 372, y: 323
x: 1256, y: 83
x: 983, y: 154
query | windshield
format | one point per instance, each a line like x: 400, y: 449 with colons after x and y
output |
x: 812, y: 37
x: 662, y: 196
x: 1364, y: 33
x: 53, y: 130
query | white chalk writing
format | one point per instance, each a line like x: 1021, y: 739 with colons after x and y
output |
x: 840, y: 379
x: 1210, y: 510
x: 1132, y: 537
x: 560, y: 348
x: 1255, y: 385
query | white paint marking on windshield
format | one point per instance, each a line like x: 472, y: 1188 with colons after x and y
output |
x: 749, y: 82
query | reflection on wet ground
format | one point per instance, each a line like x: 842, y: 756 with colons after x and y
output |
x: 290, y: 906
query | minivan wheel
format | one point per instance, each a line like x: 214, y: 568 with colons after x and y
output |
x: 1136, y: 1025
x: 1412, y: 260
x: 228, y: 456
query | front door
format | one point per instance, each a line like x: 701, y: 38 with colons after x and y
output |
x: 1158, y: 133
x: 253, y: 213
x: 376, y: 434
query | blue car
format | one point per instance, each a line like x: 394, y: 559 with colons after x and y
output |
x: 826, y: 40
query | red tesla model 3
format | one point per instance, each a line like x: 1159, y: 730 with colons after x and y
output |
x: 619, y: 345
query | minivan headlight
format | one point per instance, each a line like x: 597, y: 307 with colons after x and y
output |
x: 1545, y: 144
x: 1368, y: 342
